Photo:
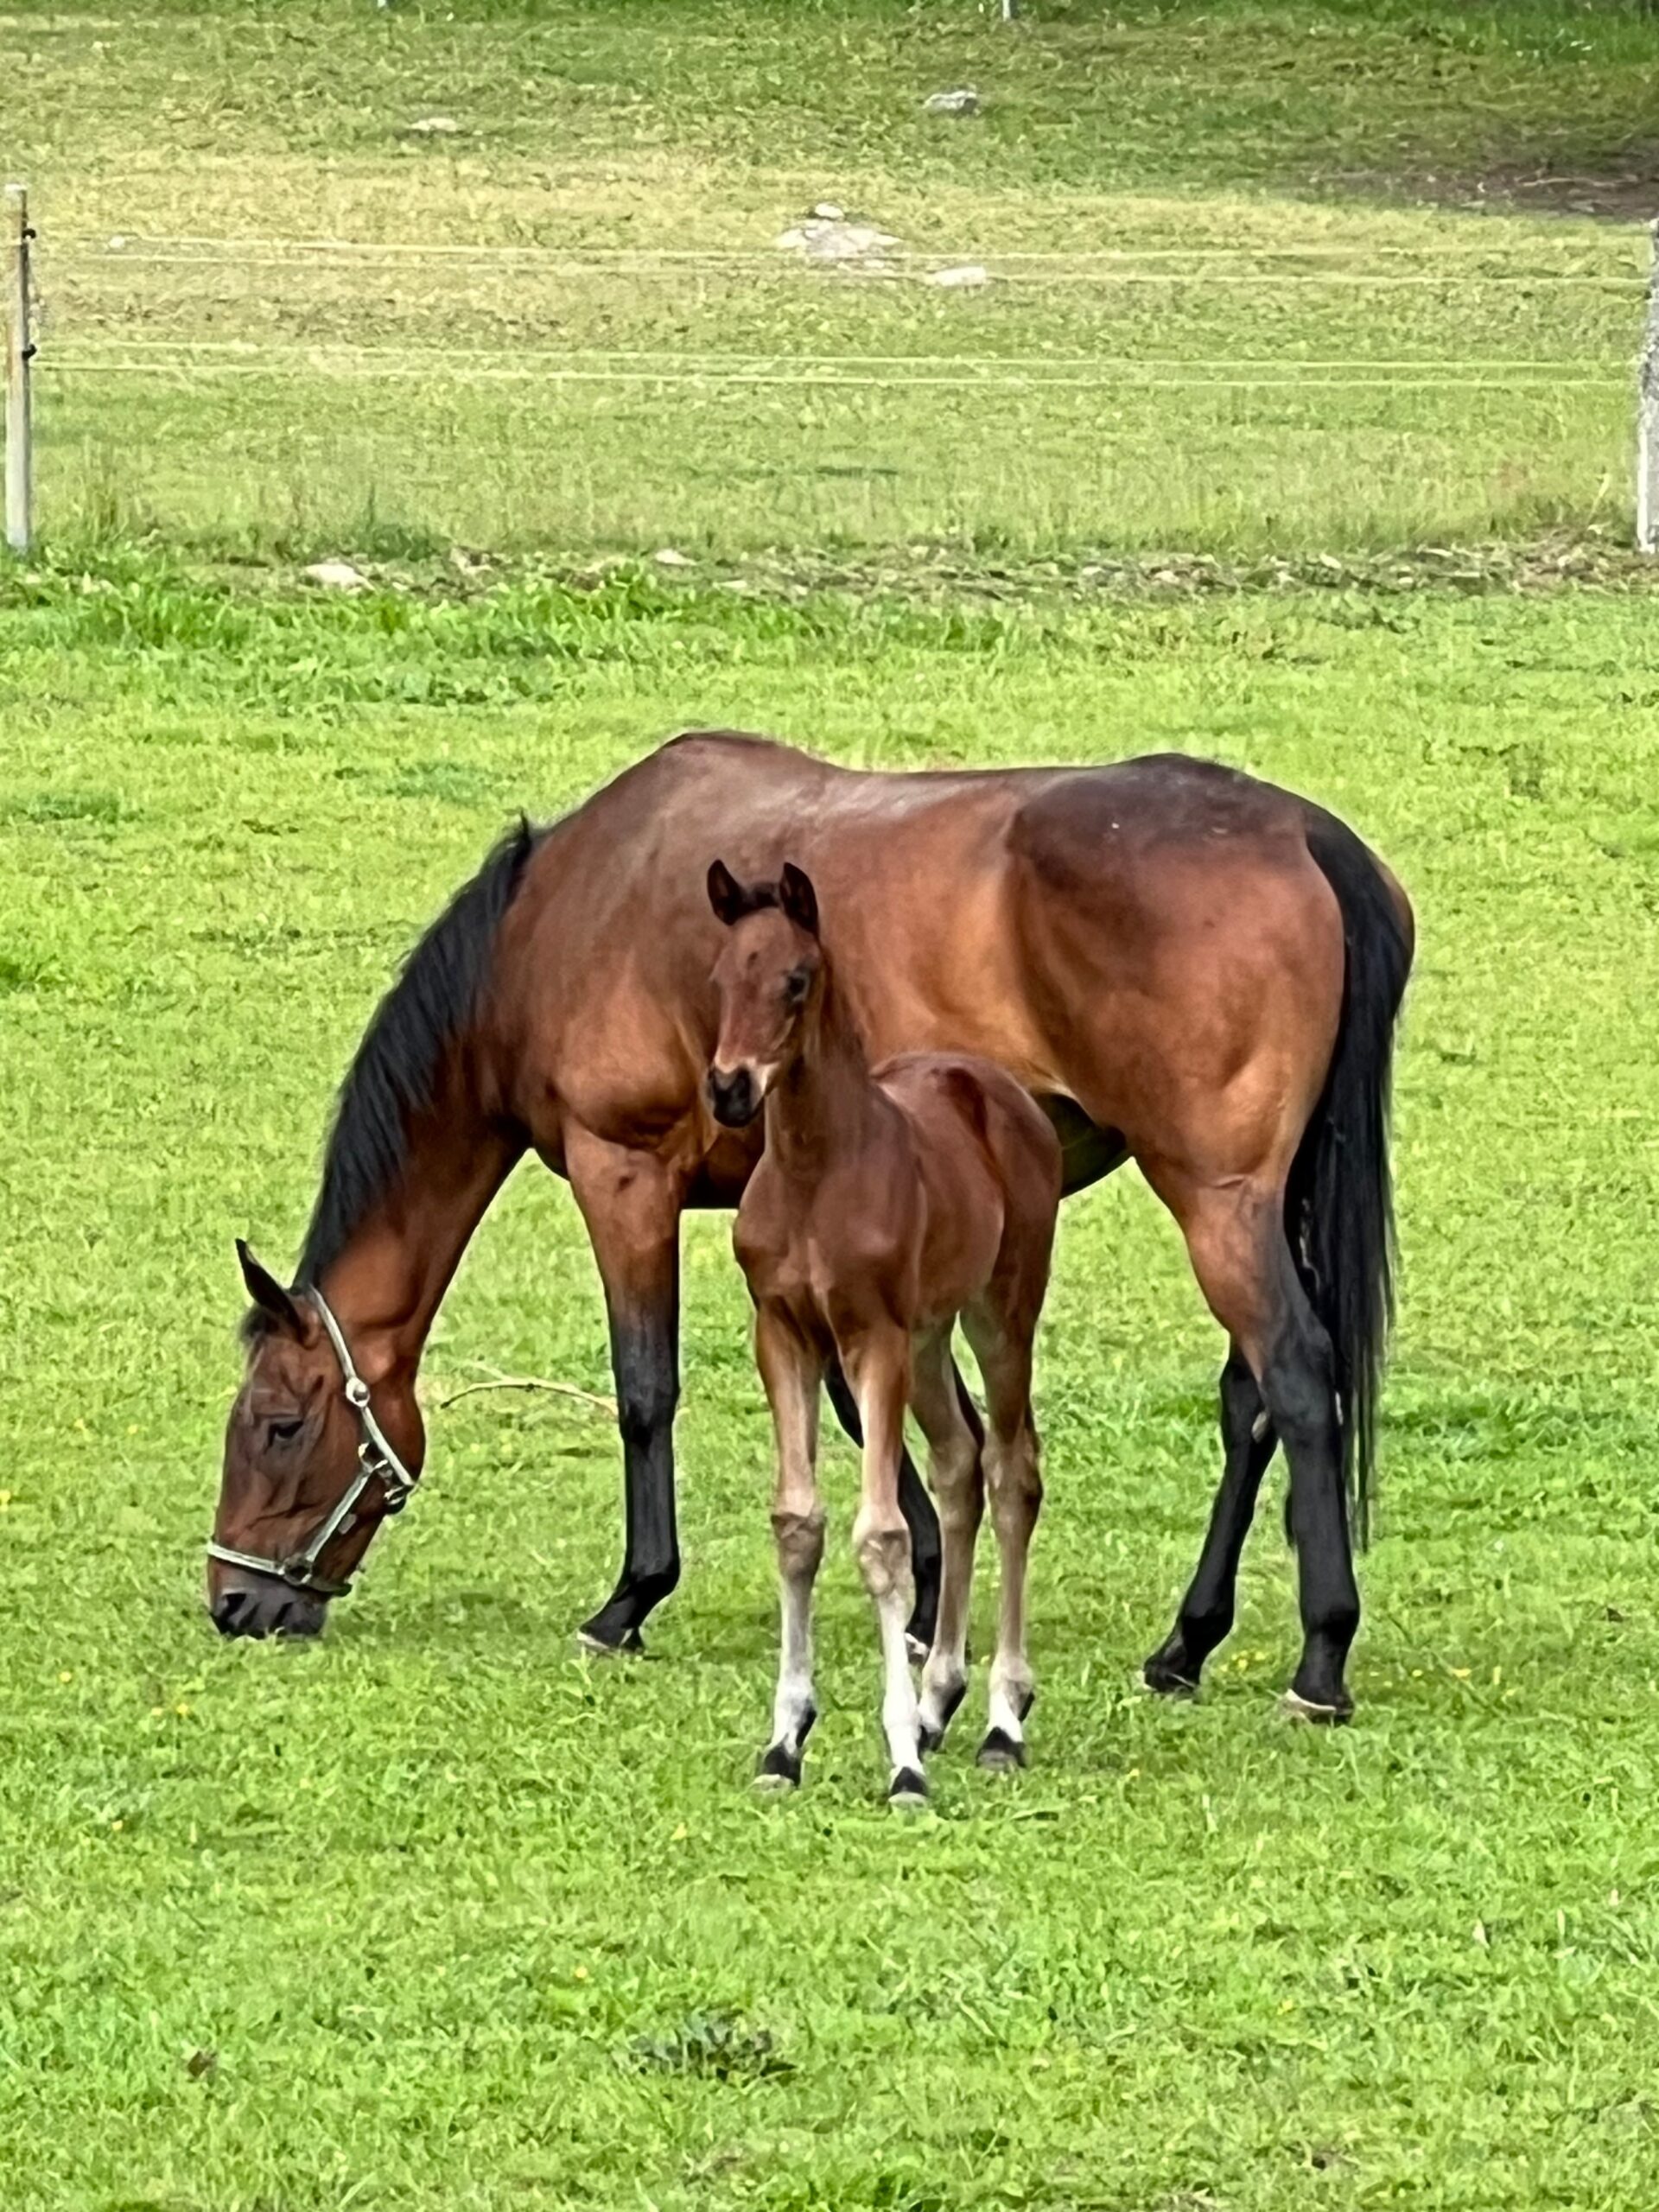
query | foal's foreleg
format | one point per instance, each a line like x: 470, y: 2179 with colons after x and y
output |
x: 936, y: 1399
x: 879, y: 1370
x: 791, y: 1370
x: 917, y: 1509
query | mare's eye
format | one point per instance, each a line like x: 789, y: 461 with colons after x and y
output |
x: 797, y: 984
x: 283, y: 1432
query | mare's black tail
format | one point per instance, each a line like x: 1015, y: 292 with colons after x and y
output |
x: 1338, y: 1206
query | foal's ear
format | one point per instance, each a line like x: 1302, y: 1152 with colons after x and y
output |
x: 797, y: 897
x: 268, y: 1294
x: 726, y: 894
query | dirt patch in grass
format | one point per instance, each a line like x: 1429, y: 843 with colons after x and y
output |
x: 1621, y: 185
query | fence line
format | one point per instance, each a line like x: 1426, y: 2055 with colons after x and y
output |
x: 1121, y: 266
x: 304, y: 351
x: 708, y: 378
x: 105, y: 245
x: 873, y: 271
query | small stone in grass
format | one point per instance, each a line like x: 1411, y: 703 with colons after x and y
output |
x: 666, y: 557
x: 336, y: 576
x: 964, y: 101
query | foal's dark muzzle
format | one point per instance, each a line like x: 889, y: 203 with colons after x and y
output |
x: 260, y: 1606
x: 733, y: 1097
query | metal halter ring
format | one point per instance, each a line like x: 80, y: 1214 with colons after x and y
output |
x: 375, y: 1461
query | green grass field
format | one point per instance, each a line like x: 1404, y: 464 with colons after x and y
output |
x: 436, y: 1915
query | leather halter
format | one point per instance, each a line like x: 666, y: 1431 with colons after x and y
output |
x: 375, y: 1461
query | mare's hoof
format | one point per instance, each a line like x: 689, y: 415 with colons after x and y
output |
x: 632, y: 1645
x: 907, y: 1790
x: 1001, y: 1753
x: 1295, y: 1706
x: 931, y: 1733
x: 779, y: 1770
x: 1165, y: 1680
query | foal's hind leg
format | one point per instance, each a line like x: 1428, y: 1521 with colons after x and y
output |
x: 936, y: 1400
x: 1002, y: 1343
x: 1240, y: 1255
x: 790, y: 1369
x: 1206, y: 1612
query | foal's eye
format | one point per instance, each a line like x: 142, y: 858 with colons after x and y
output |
x: 797, y: 984
x: 284, y: 1432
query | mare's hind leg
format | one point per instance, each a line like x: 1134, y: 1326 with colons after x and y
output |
x: 1001, y: 1342
x: 936, y: 1399
x: 919, y: 1518
x: 1236, y: 1241
x: 791, y: 1369
x: 1206, y: 1612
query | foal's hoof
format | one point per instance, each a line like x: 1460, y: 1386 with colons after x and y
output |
x: 1295, y: 1706
x: 931, y: 1734
x: 908, y: 1790
x: 916, y: 1649
x: 1001, y: 1753
x: 779, y: 1770
x: 633, y: 1646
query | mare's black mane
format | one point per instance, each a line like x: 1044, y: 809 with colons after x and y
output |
x: 393, y: 1078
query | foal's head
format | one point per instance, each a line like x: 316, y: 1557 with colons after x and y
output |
x: 767, y: 977
x: 290, y: 1456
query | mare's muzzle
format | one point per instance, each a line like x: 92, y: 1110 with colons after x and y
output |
x: 735, y: 1097
x: 259, y: 1604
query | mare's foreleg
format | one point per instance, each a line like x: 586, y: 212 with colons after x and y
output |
x: 1206, y: 1612
x: 631, y: 1204
x: 917, y: 1509
x: 792, y: 1370
x: 879, y: 1370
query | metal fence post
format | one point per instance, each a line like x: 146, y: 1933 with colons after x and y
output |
x: 20, y: 458
x: 1647, y: 419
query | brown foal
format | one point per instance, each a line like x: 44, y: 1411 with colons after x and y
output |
x: 888, y: 1202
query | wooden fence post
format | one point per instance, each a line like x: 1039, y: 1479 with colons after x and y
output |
x: 1647, y: 419
x: 19, y: 456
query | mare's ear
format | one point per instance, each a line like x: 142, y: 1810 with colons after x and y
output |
x: 797, y: 897
x: 726, y: 894
x: 268, y: 1294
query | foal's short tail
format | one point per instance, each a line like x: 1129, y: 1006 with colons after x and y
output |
x: 1338, y: 1206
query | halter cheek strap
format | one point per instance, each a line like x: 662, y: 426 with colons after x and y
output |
x: 375, y: 1461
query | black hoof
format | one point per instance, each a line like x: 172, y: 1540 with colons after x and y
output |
x: 1170, y: 1677
x: 1000, y: 1753
x: 932, y: 1735
x: 907, y: 1788
x: 779, y: 1768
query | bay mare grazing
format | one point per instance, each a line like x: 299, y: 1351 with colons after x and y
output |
x: 1187, y: 967
x: 888, y: 1201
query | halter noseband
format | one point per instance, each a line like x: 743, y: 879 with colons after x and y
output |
x: 375, y: 1459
